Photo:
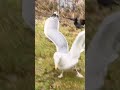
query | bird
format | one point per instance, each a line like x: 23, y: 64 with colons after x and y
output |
x: 107, y: 3
x: 64, y: 59
x: 102, y: 51
x: 78, y: 23
x: 69, y: 60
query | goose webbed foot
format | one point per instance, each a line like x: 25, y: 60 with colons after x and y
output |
x: 79, y: 74
x: 61, y: 75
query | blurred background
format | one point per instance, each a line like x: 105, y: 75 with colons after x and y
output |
x: 94, y: 17
x: 16, y: 48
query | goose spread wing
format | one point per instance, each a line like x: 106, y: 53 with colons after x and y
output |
x: 78, y: 45
x: 51, y: 30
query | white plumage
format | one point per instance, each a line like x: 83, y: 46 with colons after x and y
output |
x: 51, y: 30
x: 65, y: 61
x: 102, y: 51
x: 63, y: 58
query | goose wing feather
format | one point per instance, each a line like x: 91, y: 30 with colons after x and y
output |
x: 51, y: 30
x: 78, y: 45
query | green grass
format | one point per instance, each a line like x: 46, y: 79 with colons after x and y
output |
x: 45, y: 75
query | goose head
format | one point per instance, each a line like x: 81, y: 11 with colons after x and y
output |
x: 55, y: 14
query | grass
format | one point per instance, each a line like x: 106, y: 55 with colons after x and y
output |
x: 45, y: 75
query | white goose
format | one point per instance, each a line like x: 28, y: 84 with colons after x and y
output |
x: 102, y: 51
x: 64, y: 59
